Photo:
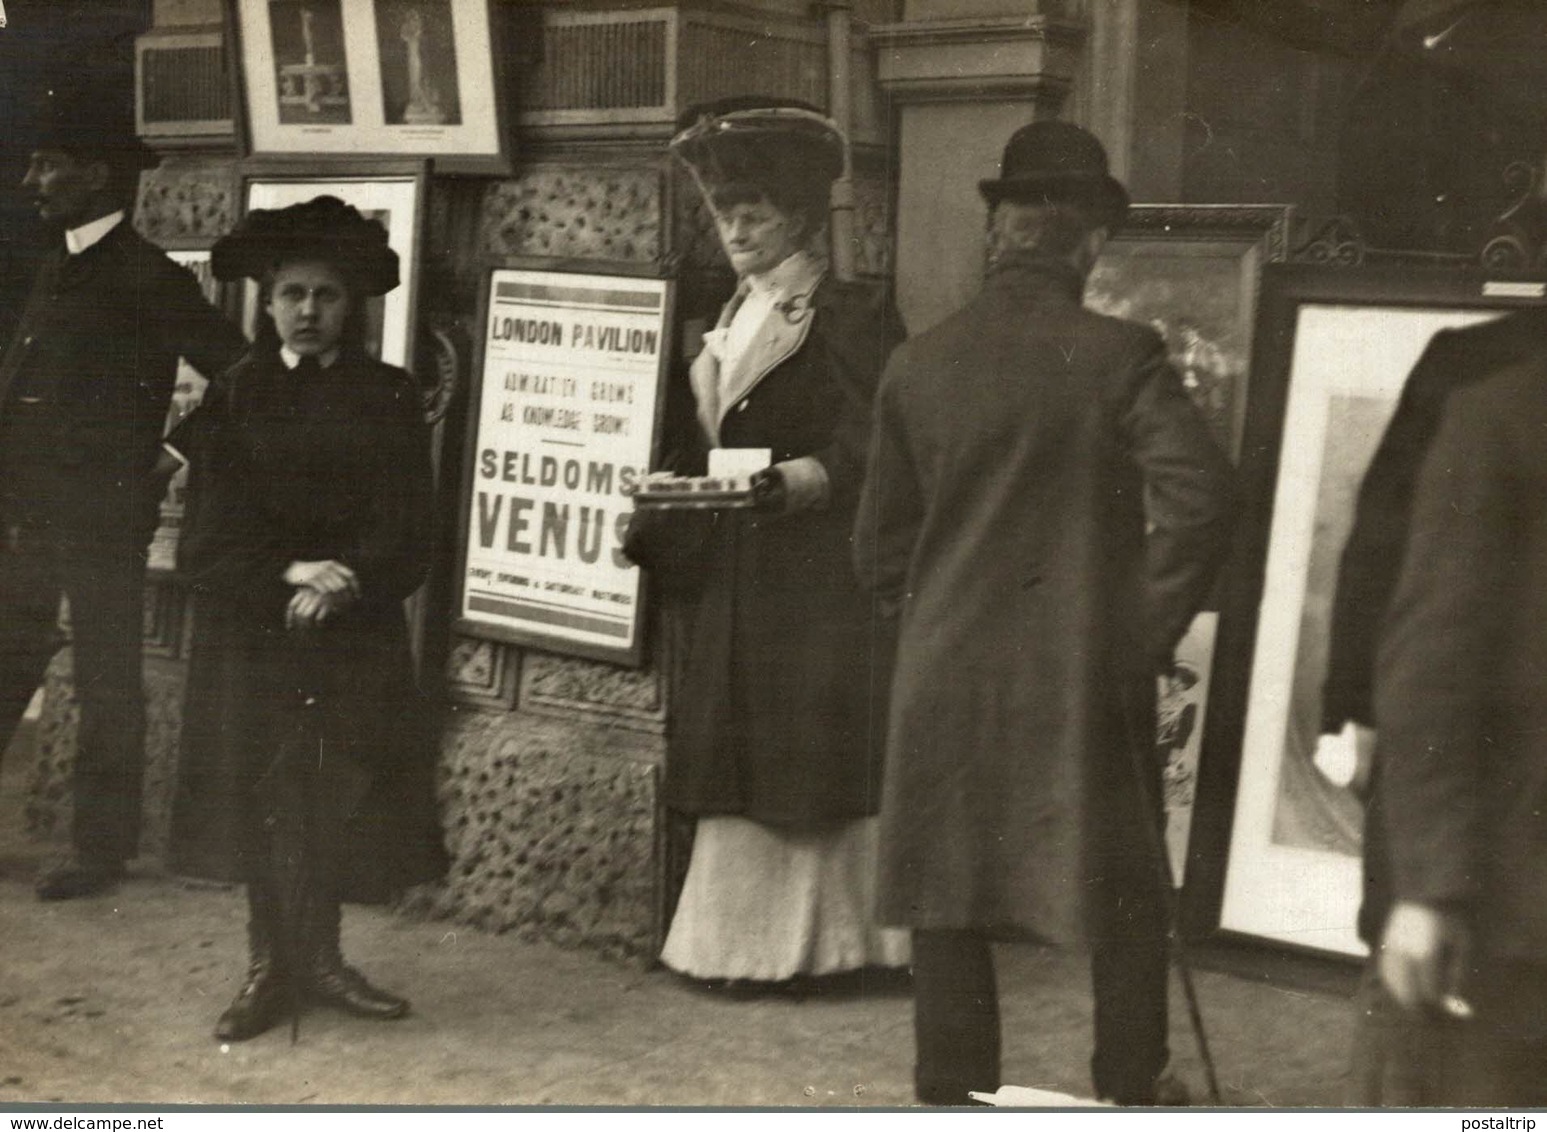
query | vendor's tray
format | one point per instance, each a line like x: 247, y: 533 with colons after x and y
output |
x: 663, y: 491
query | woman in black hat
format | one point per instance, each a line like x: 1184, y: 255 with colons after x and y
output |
x: 304, y: 769
x: 774, y: 745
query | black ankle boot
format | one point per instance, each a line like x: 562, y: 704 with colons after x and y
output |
x: 330, y: 982
x: 265, y: 998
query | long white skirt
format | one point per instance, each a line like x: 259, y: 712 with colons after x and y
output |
x: 766, y: 904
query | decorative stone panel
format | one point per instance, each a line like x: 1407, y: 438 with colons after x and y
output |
x: 482, y: 673
x: 697, y: 244
x: 588, y: 690
x: 552, y: 831
x: 50, y: 796
x: 187, y: 202
x: 576, y: 212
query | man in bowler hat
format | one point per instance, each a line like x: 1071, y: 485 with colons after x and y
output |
x: 84, y: 388
x: 1046, y: 510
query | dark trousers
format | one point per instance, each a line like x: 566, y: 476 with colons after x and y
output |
x: 1497, y: 1059
x: 105, y: 584
x: 956, y: 1006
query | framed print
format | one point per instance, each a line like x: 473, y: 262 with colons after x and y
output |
x: 1182, y: 704
x: 566, y: 408
x: 355, y: 78
x: 392, y: 194
x: 1335, y: 347
x: 1192, y: 272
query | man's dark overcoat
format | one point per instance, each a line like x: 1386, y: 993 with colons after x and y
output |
x: 1461, y: 672
x: 1005, y: 509
x: 334, y: 466
x: 779, y: 713
x: 98, y: 347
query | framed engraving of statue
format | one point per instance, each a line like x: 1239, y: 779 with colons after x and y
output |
x: 361, y: 78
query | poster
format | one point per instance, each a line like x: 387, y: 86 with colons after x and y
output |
x: 563, y: 428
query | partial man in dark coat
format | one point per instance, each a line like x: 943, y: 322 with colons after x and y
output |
x: 1020, y: 449
x: 1384, y: 1068
x: 84, y: 389
x: 1461, y: 725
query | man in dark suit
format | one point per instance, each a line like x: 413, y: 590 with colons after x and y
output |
x: 1383, y: 1072
x: 84, y: 387
x: 1048, y: 510
x: 1461, y: 751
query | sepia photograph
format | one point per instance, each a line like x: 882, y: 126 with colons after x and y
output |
x: 678, y: 559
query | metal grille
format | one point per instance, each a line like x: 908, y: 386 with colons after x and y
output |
x: 601, y: 66
x: 721, y: 60
x: 183, y: 85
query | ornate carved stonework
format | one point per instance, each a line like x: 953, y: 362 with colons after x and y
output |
x: 187, y: 201
x: 50, y: 799
x: 1335, y: 242
x: 580, y: 212
x: 552, y: 832
x: 583, y: 689
x: 695, y: 243
x: 483, y: 673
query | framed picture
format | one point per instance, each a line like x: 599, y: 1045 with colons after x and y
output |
x: 357, y: 78
x: 568, y: 393
x: 392, y: 193
x: 1192, y: 272
x: 186, y: 395
x: 1334, y: 349
x: 1182, y: 711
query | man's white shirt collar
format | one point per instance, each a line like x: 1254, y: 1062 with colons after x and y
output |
x: 79, y: 239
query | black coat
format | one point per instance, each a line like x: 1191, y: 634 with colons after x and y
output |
x: 1461, y: 670
x: 284, y: 471
x: 780, y: 708
x: 99, y: 344
x: 1372, y: 557
x: 1020, y: 448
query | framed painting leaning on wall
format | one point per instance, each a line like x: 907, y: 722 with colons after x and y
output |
x: 1335, y: 346
x: 358, y: 78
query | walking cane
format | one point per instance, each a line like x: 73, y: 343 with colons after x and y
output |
x: 1154, y: 826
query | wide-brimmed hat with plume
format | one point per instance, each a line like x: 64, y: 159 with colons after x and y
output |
x: 323, y: 228
x: 759, y: 141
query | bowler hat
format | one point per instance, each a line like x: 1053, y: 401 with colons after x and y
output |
x: 91, y: 115
x: 322, y: 228
x: 1058, y: 162
x: 759, y: 140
